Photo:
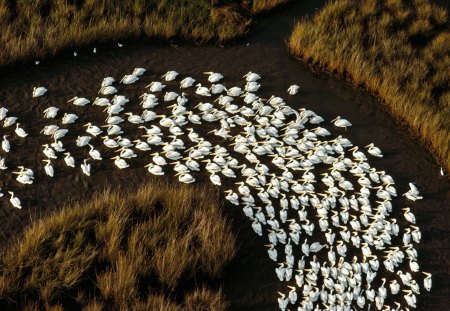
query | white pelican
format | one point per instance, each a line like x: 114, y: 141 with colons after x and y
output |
x: 251, y: 76
x: 119, y: 162
x: 156, y: 86
x: 5, y: 144
x: 185, y: 178
x: 413, y: 193
x: 129, y: 79
x: 92, y: 129
x: 69, y: 118
x: 107, y: 81
x: 20, y: 131
x: 201, y: 90
x: 9, y: 121
x: 101, y: 101
x: 95, y: 154
x: 83, y: 141
x: 293, y: 89
x: 375, y: 151
x: 139, y: 71
x: 39, y: 91
x: 14, y: 200
x: 48, y: 168
x: 213, y: 76
x: 159, y: 160
x: 79, y: 101
x: 70, y: 161
x: 86, y: 168
x: 50, y: 112
x: 170, y: 75
x: 107, y: 90
x: 155, y: 169
x: 187, y: 82
x: 339, y: 122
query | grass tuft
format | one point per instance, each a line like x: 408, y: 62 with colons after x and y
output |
x: 121, y: 251
x: 399, y: 50
x: 38, y: 29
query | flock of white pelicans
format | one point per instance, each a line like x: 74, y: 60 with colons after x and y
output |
x: 324, y: 210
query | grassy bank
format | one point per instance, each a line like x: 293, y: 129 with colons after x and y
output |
x: 399, y: 50
x: 151, y: 250
x: 35, y: 29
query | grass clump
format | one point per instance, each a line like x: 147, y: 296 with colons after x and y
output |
x: 41, y: 28
x: 397, y: 49
x: 120, y: 251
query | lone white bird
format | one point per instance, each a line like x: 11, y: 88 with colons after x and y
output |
x: 14, y: 200
x: 39, y: 91
x: 413, y: 193
x: 293, y: 89
x: 339, y: 122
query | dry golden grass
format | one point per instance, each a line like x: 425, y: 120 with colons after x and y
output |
x: 397, y: 49
x: 122, y: 251
x: 41, y: 28
x: 259, y: 6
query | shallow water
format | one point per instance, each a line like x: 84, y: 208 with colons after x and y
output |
x: 250, y: 283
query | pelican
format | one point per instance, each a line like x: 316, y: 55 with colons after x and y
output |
x: 413, y: 193
x: 201, y: 90
x: 20, y: 131
x: 107, y: 90
x: 101, y: 101
x: 86, y: 168
x: 50, y: 112
x: 108, y: 81
x: 95, y: 154
x: 154, y: 169
x: 187, y: 82
x: 138, y: 71
x: 83, y: 141
x: 170, y: 75
x: 119, y: 162
x: 213, y: 76
x: 5, y: 144
x: 79, y: 101
x: 129, y: 79
x: 293, y: 89
x: 159, y: 160
x: 427, y: 282
x: 375, y: 151
x: 9, y: 121
x: 69, y: 118
x: 339, y: 122
x: 156, y: 86
x: 252, y: 77
x: 39, y: 91
x: 14, y: 200
x: 92, y: 129
x: 48, y: 168
x: 70, y: 161
x: 185, y: 178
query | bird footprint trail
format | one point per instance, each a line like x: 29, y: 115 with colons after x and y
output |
x: 327, y: 214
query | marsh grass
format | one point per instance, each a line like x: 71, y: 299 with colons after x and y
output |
x: 399, y: 50
x: 122, y: 251
x: 42, y: 28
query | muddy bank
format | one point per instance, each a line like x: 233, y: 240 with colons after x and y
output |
x: 250, y: 283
